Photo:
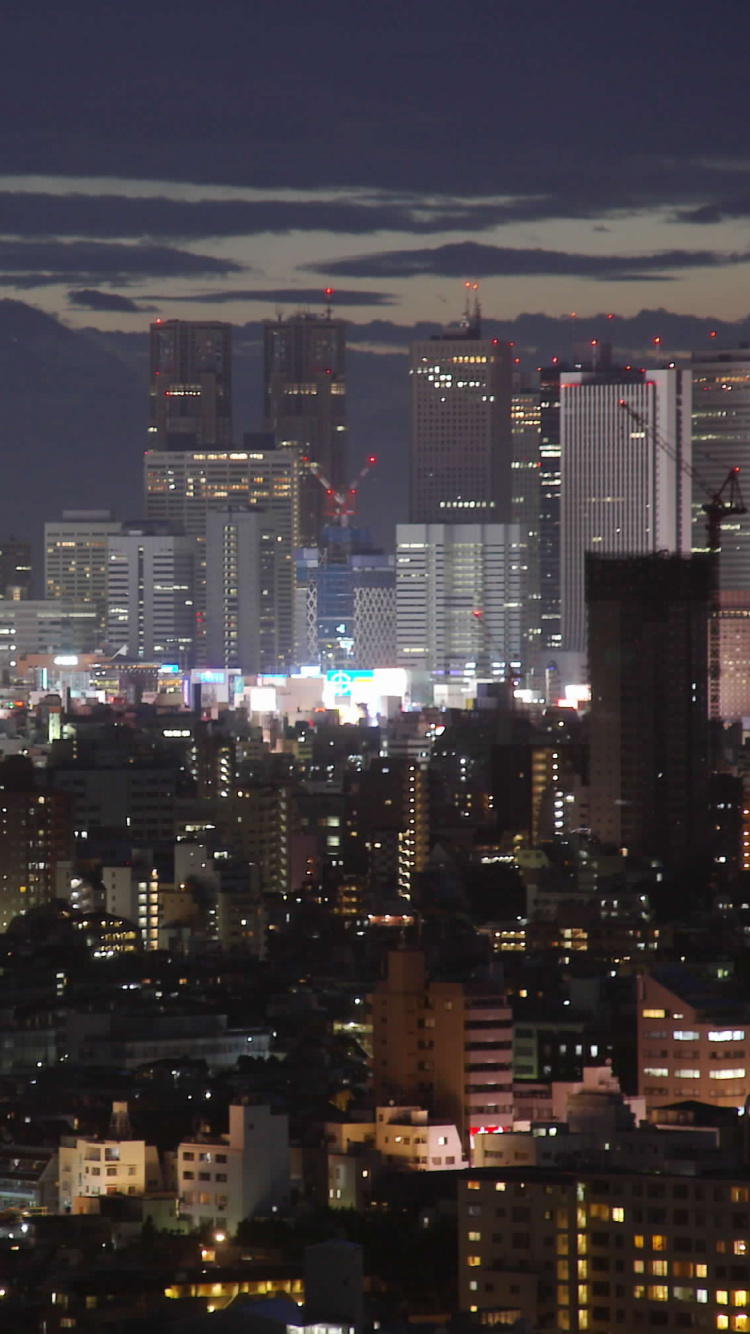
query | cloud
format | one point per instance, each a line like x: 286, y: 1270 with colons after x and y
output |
x: 73, y: 261
x: 469, y: 258
x: 88, y: 298
x: 719, y: 212
x: 288, y: 296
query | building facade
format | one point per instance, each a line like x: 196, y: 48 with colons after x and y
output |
x: 461, y: 431
x: 721, y: 440
x: 248, y: 591
x: 621, y: 491
x: 75, y: 558
x: 225, y: 1179
x: 151, y: 578
x: 459, y: 597
x: 190, y: 399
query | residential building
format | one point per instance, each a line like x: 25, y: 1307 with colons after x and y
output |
x: 461, y: 429
x: 305, y: 405
x: 407, y: 1137
x: 734, y: 652
x: 29, y: 1178
x: 459, y: 597
x: 75, y: 558
x: 721, y: 441
x: 223, y: 1179
x: 693, y: 1040
x: 621, y: 491
x: 36, y: 835
x: 151, y: 577
x: 190, y: 395
x: 649, y: 731
x: 117, y: 1165
x: 389, y: 816
x: 442, y: 1045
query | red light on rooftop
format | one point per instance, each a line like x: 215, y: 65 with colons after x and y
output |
x: 712, y: 333
x: 478, y: 613
x: 594, y: 342
x: 516, y: 361
x: 372, y: 459
x: 657, y: 341
x: 555, y: 360
x: 329, y: 291
x: 610, y: 317
x: 574, y: 314
x: 496, y: 341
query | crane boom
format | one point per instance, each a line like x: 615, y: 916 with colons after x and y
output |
x: 342, y: 505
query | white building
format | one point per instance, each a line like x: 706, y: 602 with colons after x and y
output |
x: 622, y: 492
x: 445, y: 575
x: 721, y: 440
x: 118, y: 1165
x: 151, y: 594
x: 235, y: 1176
x: 406, y: 1137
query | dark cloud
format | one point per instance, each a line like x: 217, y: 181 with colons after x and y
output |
x: 719, y: 212
x: 468, y: 258
x: 288, y: 296
x: 74, y: 261
x: 88, y: 298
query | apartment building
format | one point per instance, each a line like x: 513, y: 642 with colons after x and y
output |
x: 118, y: 1165
x: 597, y: 1252
x: 226, y: 1178
x: 692, y: 1041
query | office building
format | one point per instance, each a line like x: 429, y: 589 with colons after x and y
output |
x: 461, y: 432
x: 446, y: 573
x: 15, y: 569
x: 693, y: 1041
x: 621, y: 492
x: 604, y: 1250
x: 151, y: 576
x: 305, y: 405
x: 75, y: 557
x: 190, y: 399
x: 442, y: 1045
x: 345, y: 602
x: 721, y: 440
x: 649, y: 732
x: 248, y: 591
x: 526, y: 501
x: 59, y: 627
x: 734, y: 653
x: 223, y: 1179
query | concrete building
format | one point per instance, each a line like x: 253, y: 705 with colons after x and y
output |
x: 407, y: 1137
x: 721, y: 440
x: 36, y: 835
x: 526, y: 502
x: 238, y: 1175
x: 29, y: 1178
x: 15, y: 569
x: 345, y: 602
x: 734, y: 652
x: 63, y: 629
x: 442, y: 1045
x: 75, y: 558
x: 446, y: 573
x: 138, y: 800
x: 461, y: 439
x: 305, y: 405
x: 649, y: 735
x: 621, y: 493
x: 248, y: 578
x: 117, y: 1165
x: 604, y: 1250
x: 693, y: 1042
x: 190, y: 394
x: 151, y: 577
x: 389, y: 813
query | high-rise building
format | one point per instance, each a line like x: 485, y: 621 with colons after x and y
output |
x: 36, y: 833
x: 526, y: 500
x: 15, y: 569
x: 248, y: 591
x: 185, y: 487
x: 151, y: 611
x: 459, y: 594
x: 621, y: 492
x: 190, y: 403
x: 75, y: 557
x: 734, y: 653
x: 306, y: 407
x: 461, y: 432
x: 649, y: 730
x: 721, y: 440
x: 345, y: 602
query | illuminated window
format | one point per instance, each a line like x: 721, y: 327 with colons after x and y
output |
x: 499, y: 1185
x: 741, y: 1321
x: 618, y: 1215
x: 475, y: 1236
x: 639, y: 1290
x: 659, y: 1268
x: 721, y: 1297
x: 563, y: 1297
x: 563, y: 1271
x: 658, y: 1292
x: 473, y: 1261
x: 739, y: 1297
x: 638, y: 1242
x: 638, y: 1266
x: 583, y: 1268
x: 686, y: 1035
x: 656, y: 1071
x: 658, y: 1242
x: 473, y: 1185
x: 740, y: 1248
x: 722, y: 1322
x: 601, y: 1211
x: 583, y: 1318
x: 654, y: 1014
x: 740, y: 1195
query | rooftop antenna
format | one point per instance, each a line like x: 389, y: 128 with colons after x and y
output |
x: 329, y: 302
x: 471, y: 321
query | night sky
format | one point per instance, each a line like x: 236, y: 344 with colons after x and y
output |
x: 230, y: 158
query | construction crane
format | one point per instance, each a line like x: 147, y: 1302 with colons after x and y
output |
x: 510, y: 675
x: 341, y: 506
x: 719, y: 505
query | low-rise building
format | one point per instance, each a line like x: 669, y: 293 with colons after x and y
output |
x: 223, y: 1179
x: 118, y: 1165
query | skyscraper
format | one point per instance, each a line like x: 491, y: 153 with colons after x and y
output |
x: 648, y: 659
x: 526, y: 501
x: 459, y: 593
x: 621, y: 492
x: 248, y: 593
x: 190, y: 403
x: 75, y: 557
x: 15, y: 569
x: 151, y: 612
x: 721, y: 440
x: 305, y: 404
x: 461, y: 435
